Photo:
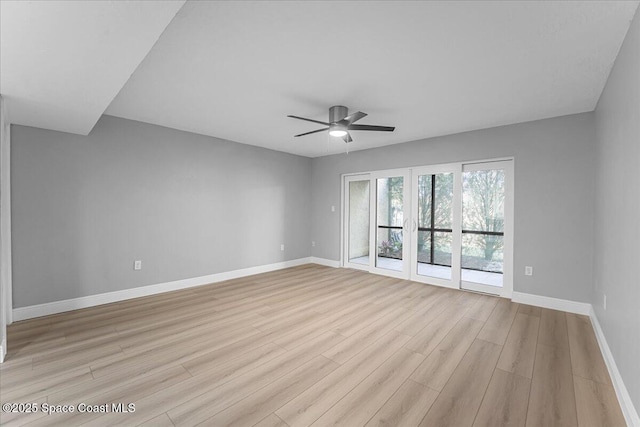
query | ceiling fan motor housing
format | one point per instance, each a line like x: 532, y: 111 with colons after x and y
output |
x: 337, y: 113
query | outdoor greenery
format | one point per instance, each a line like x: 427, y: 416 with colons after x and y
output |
x: 390, y: 249
x: 483, y: 210
x: 483, y: 207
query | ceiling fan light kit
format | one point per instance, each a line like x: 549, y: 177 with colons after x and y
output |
x: 338, y: 131
x: 340, y: 123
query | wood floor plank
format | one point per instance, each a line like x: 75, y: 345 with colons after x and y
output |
x: 519, y: 349
x: 458, y: 403
x: 435, y: 297
x: 553, y: 328
x: 420, y: 320
x: 88, y: 389
x: 311, y: 404
x: 358, y: 323
x: 177, y: 353
x: 497, y: 326
x: 20, y: 418
x: 106, y: 352
x: 205, y: 405
x: 42, y: 387
x: 586, y: 359
x: 407, y: 407
x: 299, y: 334
x: 241, y: 350
x: 268, y: 350
x: 436, y: 370
x: 552, y: 401
x: 128, y: 392
x: 596, y: 404
x: 161, y: 420
x: 427, y: 340
x: 255, y: 407
x: 214, y: 327
x: 354, y: 344
x: 226, y: 383
x: 357, y: 407
x: 483, y: 308
x: 135, y: 341
x: 529, y: 309
x: 505, y: 402
x: 271, y: 420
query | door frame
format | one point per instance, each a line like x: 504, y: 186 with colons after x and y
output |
x: 507, y: 263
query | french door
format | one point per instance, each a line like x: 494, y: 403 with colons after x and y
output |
x: 376, y: 222
x: 487, y: 228
x: 435, y: 257
x: 448, y: 225
x: 390, y: 218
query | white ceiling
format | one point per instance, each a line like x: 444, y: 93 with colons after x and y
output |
x: 234, y: 70
x: 63, y: 62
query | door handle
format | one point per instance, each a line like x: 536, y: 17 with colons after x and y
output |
x: 404, y: 224
x: 414, y: 226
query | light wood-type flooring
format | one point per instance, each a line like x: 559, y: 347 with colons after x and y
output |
x: 312, y: 345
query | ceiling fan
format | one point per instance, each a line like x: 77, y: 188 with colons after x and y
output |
x: 341, y: 122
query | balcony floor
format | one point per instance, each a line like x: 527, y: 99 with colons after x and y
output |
x: 438, y: 271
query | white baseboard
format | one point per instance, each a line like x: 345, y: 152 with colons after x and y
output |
x: 326, y: 262
x: 46, y: 309
x: 552, y: 303
x: 628, y: 410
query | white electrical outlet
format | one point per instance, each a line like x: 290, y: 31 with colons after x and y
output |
x: 137, y: 265
x: 528, y: 271
x: 282, y: 247
x: 313, y: 244
x: 604, y: 302
x: 333, y: 208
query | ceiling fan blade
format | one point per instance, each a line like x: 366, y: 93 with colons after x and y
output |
x: 313, y: 131
x: 352, y: 118
x: 347, y: 138
x: 309, y: 120
x: 372, y: 127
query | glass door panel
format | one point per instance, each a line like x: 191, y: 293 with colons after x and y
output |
x: 358, y: 247
x: 357, y: 220
x: 435, y: 225
x: 390, y: 223
x: 483, y: 227
x: 435, y: 219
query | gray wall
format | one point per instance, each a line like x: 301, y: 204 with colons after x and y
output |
x: 84, y: 208
x: 554, y: 161
x: 5, y: 249
x: 617, y: 239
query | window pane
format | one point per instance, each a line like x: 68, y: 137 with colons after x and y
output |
x: 389, y: 243
x: 424, y: 201
x: 424, y: 246
x: 440, y: 265
x: 483, y: 200
x: 480, y: 252
x: 390, y: 208
x: 390, y: 218
x: 442, y: 248
x: 443, y: 217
